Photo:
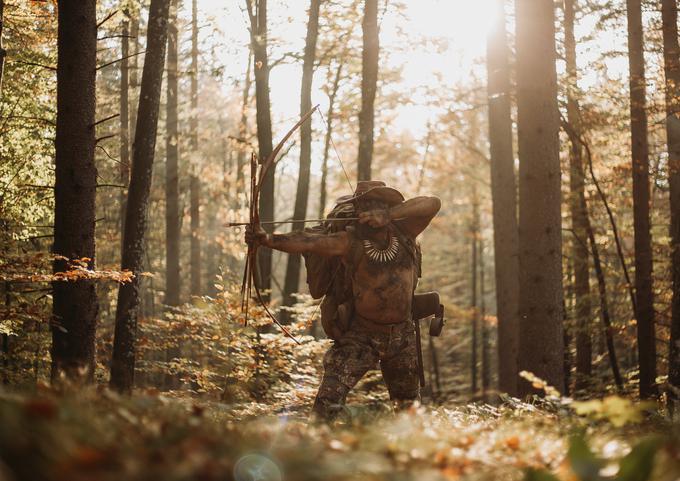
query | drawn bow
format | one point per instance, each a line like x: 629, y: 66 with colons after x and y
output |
x: 257, y: 177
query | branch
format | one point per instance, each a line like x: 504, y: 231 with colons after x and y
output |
x: 105, y: 119
x: 105, y: 137
x: 35, y: 64
x: 107, y: 18
x: 120, y: 59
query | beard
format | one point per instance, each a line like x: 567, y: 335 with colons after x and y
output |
x: 365, y: 231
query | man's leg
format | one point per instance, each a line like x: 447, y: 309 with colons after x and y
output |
x: 344, y: 365
x: 400, y: 369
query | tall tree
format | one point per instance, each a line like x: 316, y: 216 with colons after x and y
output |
x: 172, y: 217
x: 124, y: 111
x: 243, y: 128
x: 540, y: 241
x: 578, y: 210
x: 258, y: 42
x: 504, y: 196
x: 292, y: 282
x: 474, y: 312
x: 671, y: 56
x: 3, y: 52
x: 75, y: 303
x: 123, y: 362
x: 328, y: 139
x: 369, y: 82
x: 484, y: 325
x: 195, y: 181
x: 644, y: 297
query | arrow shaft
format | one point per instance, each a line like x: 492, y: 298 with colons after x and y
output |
x: 238, y: 224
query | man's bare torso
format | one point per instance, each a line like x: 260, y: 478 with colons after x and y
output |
x: 383, y: 291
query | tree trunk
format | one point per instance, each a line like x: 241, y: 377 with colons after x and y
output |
x: 258, y: 39
x: 243, y: 129
x: 172, y: 216
x: 504, y: 195
x: 640, y: 166
x: 486, y: 368
x: 328, y: 139
x: 292, y: 282
x: 369, y: 82
x: 75, y: 305
x: 123, y: 363
x: 577, y: 209
x: 134, y: 82
x: 124, y: 114
x: 195, y: 181
x: 671, y: 55
x: 540, y: 239
x: 604, y: 307
x: 474, y: 324
x: 3, y: 52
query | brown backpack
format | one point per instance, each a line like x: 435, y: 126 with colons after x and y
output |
x: 331, y: 279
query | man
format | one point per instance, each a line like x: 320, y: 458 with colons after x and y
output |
x: 383, y: 277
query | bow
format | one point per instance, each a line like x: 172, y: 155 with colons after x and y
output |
x: 256, y: 180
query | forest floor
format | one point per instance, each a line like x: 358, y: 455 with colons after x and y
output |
x: 98, y: 435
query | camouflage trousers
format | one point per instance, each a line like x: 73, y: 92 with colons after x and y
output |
x: 359, y: 350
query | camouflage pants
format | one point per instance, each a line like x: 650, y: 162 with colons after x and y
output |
x: 358, y: 351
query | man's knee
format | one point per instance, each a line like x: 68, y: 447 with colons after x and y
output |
x: 330, y: 398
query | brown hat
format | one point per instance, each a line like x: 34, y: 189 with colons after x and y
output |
x: 373, y: 189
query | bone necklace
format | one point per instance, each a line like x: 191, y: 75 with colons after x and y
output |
x: 382, y: 255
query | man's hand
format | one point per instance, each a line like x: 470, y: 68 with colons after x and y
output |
x: 375, y: 218
x: 255, y: 235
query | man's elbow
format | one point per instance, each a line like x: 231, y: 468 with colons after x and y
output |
x: 434, y: 204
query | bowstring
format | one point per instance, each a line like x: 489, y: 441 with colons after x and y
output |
x: 349, y: 182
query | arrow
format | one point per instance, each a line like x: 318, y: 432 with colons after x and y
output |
x: 343, y: 219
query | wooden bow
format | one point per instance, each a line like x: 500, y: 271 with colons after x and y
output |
x: 256, y: 180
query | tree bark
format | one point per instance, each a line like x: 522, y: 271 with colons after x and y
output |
x: 292, y: 281
x: 75, y: 305
x: 504, y: 195
x: 134, y: 81
x: 486, y: 368
x: 123, y: 363
x: 124, y: 114
x: 474, y: 312
x: 577, y: 207
x: 604, y: 307
x: 540, y: 254
x: 369, y: 82
x: 640, y: 167
x: 243, y: 129
x: 3, y: 52
x: 195, y: 181
x: 671, y: 55
x: 258, y: 39
x: 172, y: 216
x: 328, y: 139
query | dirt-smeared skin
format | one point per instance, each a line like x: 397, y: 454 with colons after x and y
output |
x: 382, y: 291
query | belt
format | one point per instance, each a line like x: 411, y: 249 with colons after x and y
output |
x: 373, y: 326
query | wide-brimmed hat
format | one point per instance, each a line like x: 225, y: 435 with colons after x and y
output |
x: 373, y: 189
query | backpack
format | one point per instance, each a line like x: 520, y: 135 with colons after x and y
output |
x: 331, y: 279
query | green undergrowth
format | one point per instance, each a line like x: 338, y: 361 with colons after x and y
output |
x: 98, y: 435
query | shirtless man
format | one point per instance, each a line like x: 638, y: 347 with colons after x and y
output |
x: 383, y: 281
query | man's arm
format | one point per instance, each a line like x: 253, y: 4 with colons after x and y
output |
x: 413, y: 215
x: 299, y: 242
